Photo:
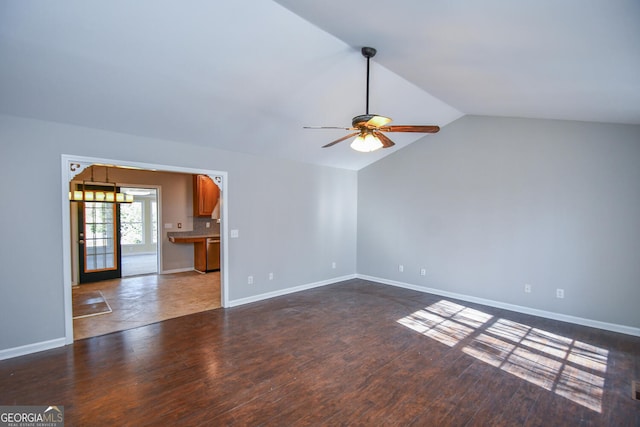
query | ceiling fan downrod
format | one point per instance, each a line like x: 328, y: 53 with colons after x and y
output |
x: 368, y: 52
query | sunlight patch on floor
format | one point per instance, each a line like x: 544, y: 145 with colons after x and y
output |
x: 569, y: 368
x: 446, y: 322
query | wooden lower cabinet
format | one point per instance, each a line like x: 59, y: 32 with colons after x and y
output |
x: 200, y: 255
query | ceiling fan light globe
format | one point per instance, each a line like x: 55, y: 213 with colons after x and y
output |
x: 366, y: 143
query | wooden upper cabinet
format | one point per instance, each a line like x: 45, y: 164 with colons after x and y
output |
x: 205, y: 195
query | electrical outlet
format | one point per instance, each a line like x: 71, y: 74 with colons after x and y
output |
x: 208, y: 225
x: 401, y: 268
x: 423, y: 271
x: 179, y: 225
x: 250, y: 280
x: 559, y: 293
x: 333, y: 264
x: 235, y: 234
x: 527, y: 288
x: 270, y: 276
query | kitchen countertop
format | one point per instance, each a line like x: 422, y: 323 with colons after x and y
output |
x: 189, y: 236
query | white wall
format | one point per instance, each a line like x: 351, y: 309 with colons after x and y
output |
x: 490, y: 204
x: 294, y: 219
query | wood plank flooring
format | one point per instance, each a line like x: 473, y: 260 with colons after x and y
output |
x: 354, y: 353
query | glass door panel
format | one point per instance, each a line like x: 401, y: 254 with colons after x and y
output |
x: 99, y: 236
x: 99, y: 241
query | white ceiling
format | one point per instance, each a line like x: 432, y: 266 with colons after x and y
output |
x: 247, y: 75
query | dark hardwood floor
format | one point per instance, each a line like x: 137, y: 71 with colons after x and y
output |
x: 355, y: 353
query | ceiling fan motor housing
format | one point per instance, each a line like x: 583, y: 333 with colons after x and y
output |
x: 358, y: 121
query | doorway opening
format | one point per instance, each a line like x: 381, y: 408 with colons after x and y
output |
x: 140, y: 223
x: 139, y: 232
x: 116, y: 240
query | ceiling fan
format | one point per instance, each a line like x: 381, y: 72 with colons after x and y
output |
x: 370, y: 127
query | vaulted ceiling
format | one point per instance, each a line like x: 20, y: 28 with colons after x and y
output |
x: 247, y: 75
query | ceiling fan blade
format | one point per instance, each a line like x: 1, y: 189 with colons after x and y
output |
x: 327, y: 127
x: 386, y: 142
x: 340, y: 139
x: 410, y: 128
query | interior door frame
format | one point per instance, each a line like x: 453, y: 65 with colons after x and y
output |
x: 71, y: 165
x: 158, y: 189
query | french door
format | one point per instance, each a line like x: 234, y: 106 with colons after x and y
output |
x: 99, y: 241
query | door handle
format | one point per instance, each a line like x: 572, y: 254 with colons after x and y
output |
x: 81, y: 242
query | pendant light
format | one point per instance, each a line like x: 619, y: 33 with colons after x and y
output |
x: 104, y: 196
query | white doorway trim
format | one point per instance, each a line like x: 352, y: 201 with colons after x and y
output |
x: 71, y: 165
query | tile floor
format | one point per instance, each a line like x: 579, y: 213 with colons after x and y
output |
x: 142, y: 300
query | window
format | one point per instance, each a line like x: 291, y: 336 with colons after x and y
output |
x: 131, y: 223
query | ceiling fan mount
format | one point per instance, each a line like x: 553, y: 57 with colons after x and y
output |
x: 368, y: 52
x: 370, y: 127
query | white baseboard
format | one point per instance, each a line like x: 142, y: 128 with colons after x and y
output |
x: 623, y: 329
x: 59, y: 342
x: 31, y: 348
x: 177, y: 270
x: 280, y: 292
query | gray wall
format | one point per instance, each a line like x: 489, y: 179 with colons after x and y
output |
x: 294, y: 219
x: 490, y: 204
x: 485, y: 206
